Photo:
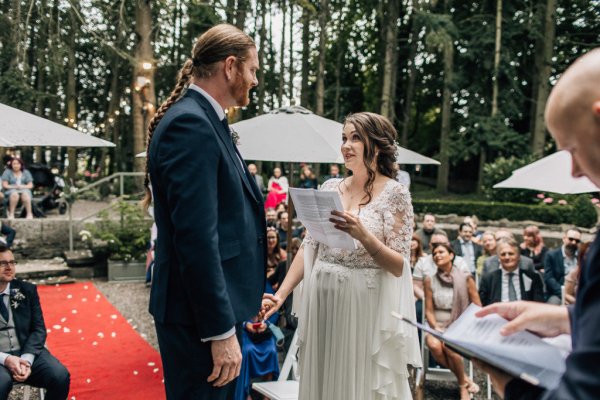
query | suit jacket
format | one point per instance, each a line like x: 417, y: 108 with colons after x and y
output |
x: 492, y: 263
x: 477, y: 249
x: 260, y: 183
x: 490, y: 287
x: 210, y: 255
x: 27, y: 316
x: 581, y: 379
x: 554, y: 271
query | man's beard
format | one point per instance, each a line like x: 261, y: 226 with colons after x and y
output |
x: 240, y: 92
x: 571, y: 248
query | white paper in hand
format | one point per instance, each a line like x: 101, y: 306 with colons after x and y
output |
x: 314, y: 210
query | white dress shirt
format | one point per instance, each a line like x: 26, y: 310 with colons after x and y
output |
x: 515, y: 279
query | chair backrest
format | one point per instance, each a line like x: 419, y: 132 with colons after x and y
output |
x: 290, y: 363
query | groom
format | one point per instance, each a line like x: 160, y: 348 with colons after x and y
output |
x: 210, y: 254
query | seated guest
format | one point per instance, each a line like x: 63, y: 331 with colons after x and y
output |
x: 509, y: 282
x: 448, y: 293
x: 257, y: 177
x: 493, y: 263
x: 23, y: 335
x: 334, y: 173
x: 426, y: 231
x: 17, y: 183
x: 559, y: 262
x: 425, y: 266
x: 572, y: 278
x: 271, y: 216
x: 277, y: 187
x: 282, y: 227
x: 10, y: 234
x: 308, y: 179
x: 488, y: 242
x: 464, y: 246
x: 416, y: 251
x: 533, y: 246
x: 275, y: 254
x: 477, y: 234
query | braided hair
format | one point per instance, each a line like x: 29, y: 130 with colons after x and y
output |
x: 212, y: 47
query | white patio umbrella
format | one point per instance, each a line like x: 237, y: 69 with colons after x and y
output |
x: 20, y: 128
x: 549, y: 174
x: 406, y: 156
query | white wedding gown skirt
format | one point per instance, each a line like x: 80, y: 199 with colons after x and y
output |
x: 352, y: 350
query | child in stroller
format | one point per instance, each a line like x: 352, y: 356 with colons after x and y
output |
x: 52, y: 185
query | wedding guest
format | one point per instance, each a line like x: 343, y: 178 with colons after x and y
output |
x: 308, y: 179
x: 559, y: 262
x: 17, y: 183
x: 416, y: 251
x: 257, y: 177
x: 426, y: 231
x: 10, y: 234
x: 474, y: 222
x: 271, y: 216
x: 465, y: 247
x: 533, y: 246
x: 572, y: 278
x: 448, y: 293
x: 278, y: 187
x: 275, y: 254
x: 334, y: 172
x: 493, y: 263
x: 509, y: 282
x: 488, y: 243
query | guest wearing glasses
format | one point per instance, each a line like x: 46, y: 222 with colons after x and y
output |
x: 559, y: 262
x: 23, y: 357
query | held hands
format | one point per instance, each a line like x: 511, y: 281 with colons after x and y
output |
x: 349, y: 223
x: 227, y: 360
x: 19, y: 368
x: 270, y: 304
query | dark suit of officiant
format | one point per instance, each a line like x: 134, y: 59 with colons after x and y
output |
x: 581, y: 379
x: 210, y: 254
x: 28, y: 321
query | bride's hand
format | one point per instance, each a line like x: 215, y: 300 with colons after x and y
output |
x: 349, y: 223
x: 270, y: 304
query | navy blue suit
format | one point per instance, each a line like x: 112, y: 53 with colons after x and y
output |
x: 210, y: 250
x: 554, y: 272
x: 490, y: 287
x: 581, y: 379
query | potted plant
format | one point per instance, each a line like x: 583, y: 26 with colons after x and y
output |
x: 121, y: 236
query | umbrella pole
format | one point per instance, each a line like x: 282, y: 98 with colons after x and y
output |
x: 290, y: 220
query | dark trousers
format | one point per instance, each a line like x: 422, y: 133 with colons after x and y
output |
x: 187, y: 363
x: 46, y: 372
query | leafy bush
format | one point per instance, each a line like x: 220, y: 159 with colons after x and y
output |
x: 580, y: 212
x: 500, y: 170
x: 123, y: 239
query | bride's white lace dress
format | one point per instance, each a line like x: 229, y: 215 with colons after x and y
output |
x: 351, y: 348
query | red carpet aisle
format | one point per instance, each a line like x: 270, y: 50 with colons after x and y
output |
x: 107, y: 358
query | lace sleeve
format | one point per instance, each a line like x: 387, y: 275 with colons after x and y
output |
x: 398, y: 220
x: 329, y: 185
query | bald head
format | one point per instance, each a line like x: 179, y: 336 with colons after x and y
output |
x: 573, y: 115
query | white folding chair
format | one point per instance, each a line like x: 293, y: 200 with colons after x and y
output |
x: 282, y: 388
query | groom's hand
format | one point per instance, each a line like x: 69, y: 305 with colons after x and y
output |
x: 227, y: 360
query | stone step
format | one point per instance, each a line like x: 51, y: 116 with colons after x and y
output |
x: 42, y: 269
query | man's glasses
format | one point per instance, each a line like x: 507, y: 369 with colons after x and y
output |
x: 4, y: 264
x: 574, y: 240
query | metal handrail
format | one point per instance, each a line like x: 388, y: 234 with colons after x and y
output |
x: 109, y: 178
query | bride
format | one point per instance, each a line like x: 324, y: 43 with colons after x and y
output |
x: 351, y: 348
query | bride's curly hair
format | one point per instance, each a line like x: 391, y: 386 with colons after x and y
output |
x: 378, y: 135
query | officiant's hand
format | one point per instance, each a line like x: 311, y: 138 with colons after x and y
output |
x: 270, y: 304
x: 349, y: 223
x: 227, y: 360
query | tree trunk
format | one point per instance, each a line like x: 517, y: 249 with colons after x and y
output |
x: 72, y: 92
x: 281, y: 55
x: 291, y: 63
x: 539, y: 133
x: 261, y: 56
x: 495, y: 89
x: 306, y: 18
x: 241, y: 14
x: 143, y: 96
x: 230, y: 12
x: 320, y: 95
x: 444, y: 168
x: 388, y: 89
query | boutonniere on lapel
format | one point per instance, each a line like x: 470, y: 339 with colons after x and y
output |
x: 16, y: 297
x: 235, y: 137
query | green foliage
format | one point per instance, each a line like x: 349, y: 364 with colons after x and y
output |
x: 581, y: 213
x: 500, y: 170
x: 122, y: 239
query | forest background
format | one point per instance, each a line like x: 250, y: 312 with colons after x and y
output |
x: 465, y: 82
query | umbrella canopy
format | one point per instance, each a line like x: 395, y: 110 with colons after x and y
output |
x: 23, y: 129
x: 550, y: 174
x: 405, y: 156
x: 291, y: 134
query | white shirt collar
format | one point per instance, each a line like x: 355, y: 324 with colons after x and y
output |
x: 505, y: 272
x: 211, y: 100
x: 6, y: 290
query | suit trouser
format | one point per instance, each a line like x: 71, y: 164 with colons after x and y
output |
x: 46, y: 372
x: 187, y: 363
